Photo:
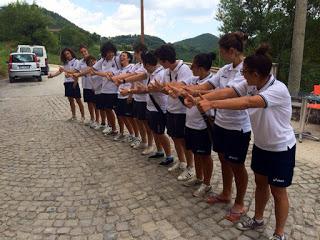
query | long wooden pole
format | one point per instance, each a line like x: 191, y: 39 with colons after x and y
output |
x: 142, y: 21
x: 296, y: 60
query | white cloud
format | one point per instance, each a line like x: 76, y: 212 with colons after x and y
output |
x: 159, y: 15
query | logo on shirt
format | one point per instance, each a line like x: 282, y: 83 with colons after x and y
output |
x: 113, y: 65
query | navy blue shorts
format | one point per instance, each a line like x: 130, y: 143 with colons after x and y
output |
x: 198, y: 141
x: 232, y: 144
x: 70, y: 91
x: 176, y: 125
x: 277, y: 166
x: 123, y: 108
x: 139, y: 110
x: 88, y: 95
x: 156, y: 121
x: 107, y: 101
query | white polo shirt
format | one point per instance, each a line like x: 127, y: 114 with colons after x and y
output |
x: 160, y: 98
x: 194, y: 119
x: 238, y: 120
x: 271, y: 125
x: 96, y: 83
x: 70, y: 66
x: 123, y: 70
x: 138, y: 68
x: 85, y: 80
x: 103, y: 65
x: 180, y: 73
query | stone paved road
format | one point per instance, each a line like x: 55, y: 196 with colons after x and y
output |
x: 63, y: 181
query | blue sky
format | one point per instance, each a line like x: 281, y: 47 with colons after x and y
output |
x: 171, y: 20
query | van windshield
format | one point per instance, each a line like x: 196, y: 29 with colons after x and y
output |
x: 38, y: 51
x: 25, y: 49
x: 22, y: 58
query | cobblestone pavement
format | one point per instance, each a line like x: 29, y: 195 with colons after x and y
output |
x: 62, y: 181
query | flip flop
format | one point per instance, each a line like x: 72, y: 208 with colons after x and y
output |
x: 216, y: 199
x: 235, y: 216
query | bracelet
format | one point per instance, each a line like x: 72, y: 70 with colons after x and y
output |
x: 129, y: 90
x: 123, y: 80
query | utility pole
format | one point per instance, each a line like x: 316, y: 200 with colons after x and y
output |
x: 142, y: 21
x: 296, y: 60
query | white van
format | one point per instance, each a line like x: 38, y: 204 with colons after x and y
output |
x: 41, y: 53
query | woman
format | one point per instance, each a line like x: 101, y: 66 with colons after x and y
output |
x: 124, y: 103
x: 156, y: 105
x: 87, y: 85
x: 139, y: 75
x: 72, y: 90
x: 273, y: 156
x: 107, y: 100
x: 197, y: 132
x: 231, y: 129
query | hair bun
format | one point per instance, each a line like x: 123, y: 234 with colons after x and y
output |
x: 241, y: 36
x: 263, y: 49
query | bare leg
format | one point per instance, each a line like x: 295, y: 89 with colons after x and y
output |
x: 198, y: 163
x: 149, y: 133
x: 227, y: 178
x: 111, y: 119
x: 281, y: 204
x: 262, y: 195
x: 72, y: 106
x: 165, y: 143
x: 207, y: 166
x: 91, y: 109
x: 128, y: 123
x: 241, y: 179
x: 81, y: 107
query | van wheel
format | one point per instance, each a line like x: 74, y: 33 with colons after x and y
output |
x: 11, y: 79
x: 40, y: 79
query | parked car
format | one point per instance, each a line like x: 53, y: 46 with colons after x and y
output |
x: 41, y: 53
x: 24, y: 65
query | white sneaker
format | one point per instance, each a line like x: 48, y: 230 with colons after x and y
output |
x: 107, y: 129
x: 72, y: 119
x: 187, y: 174
x: 177, y: 166
x: 129, y: 139
x: 136, y: 141
x: 82, y: 120
x: 194, y: 181
x: 141, y: 145
x: 93, y: 124
x: 147, y: 151
x: 96, y: 126
x: 202, y: 190
x: 88, y: 123
x: 119, y: 137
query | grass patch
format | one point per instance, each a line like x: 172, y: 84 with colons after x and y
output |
x: 5, y: 49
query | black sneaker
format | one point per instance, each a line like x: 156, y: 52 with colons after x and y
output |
x: 167, y: 161
x: 157, y: 155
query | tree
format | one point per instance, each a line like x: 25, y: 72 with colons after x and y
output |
x: 272, y: 21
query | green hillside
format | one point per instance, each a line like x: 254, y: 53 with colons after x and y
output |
x: 204, y: 42
x: 23, y: 23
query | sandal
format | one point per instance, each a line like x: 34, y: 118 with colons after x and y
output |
x: 216, y: 199
x: 235, y: 216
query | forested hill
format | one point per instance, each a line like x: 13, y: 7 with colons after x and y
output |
x: 22, y: 23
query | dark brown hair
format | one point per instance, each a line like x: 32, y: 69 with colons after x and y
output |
x: 236, y: 40
x: 89, y: 60
x: 260, y: 61
x: 63, y: 58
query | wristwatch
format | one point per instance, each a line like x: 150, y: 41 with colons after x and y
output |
x: 129, y: 90
x: 123, y: 81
